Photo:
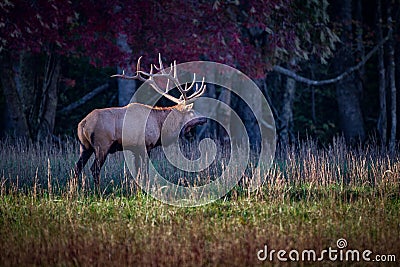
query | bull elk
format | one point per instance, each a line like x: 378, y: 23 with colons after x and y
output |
x: 100, y: 132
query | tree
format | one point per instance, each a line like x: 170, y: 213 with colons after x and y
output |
x: 347, y: 93
x: 392, y: 77
x: 287, y: 111
x: 251, y: 35
x: 382, y: 119
x: 34, y: 36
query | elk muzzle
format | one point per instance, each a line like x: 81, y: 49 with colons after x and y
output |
x: 191, y: 124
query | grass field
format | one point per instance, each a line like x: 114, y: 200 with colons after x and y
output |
x: 313, y: 197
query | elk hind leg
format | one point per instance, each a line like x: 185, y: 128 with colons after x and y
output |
x: 96, y: 166
x: 83, y: 159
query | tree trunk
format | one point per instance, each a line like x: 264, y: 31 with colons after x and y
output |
x: 18, y: 120
x: 246, y: 114
x: 31, y: 96
x: 49, y: 98
x: 360, y: 51
x: 382, y: 119
x: 287, y: 112
x: 224, y: 115
x: 126, y: 88
x: 210, y: 126
x: 27, y: 82
x: 392, y: 81
x: 347, y: 93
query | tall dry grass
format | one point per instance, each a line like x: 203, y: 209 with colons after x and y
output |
x: 47, y: 168
x: 311, y: 197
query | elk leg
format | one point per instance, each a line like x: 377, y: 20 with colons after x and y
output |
x: 140, y: 157
x: 96, y: 166
x: 138, y: 161
x: 83, y: 158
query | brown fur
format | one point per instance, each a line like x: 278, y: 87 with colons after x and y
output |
x: 100, y: 132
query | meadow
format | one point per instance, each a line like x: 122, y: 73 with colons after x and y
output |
x: 313, y: 196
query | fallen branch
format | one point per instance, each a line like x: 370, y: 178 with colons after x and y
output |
x: 84, y: 99
x: 307, y: 81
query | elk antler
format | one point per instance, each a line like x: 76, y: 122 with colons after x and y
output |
x: 171, y: 76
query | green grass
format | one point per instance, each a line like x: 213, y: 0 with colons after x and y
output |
x: 312, y: 197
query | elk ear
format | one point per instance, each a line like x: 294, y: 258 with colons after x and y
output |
x: 188, y: 107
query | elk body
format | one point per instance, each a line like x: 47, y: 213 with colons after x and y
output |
x: 100, y: 132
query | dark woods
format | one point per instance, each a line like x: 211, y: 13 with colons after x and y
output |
x: 327, y: 68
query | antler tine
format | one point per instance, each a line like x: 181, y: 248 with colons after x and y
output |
x: 160, y: 61
x: 138, y: 71
x: 137, y: 76
x: 187, y: 89
x: 175, y: 76
x: 198, y: 92
x: 161, y: 68
x: 167, y: 88
x: 171, y: 69
x: 151, y: 71
x: 161, y: 64
x: 153, y: 83
x: 138, y: 67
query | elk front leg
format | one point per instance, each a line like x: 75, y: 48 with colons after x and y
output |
x: 140, y: 161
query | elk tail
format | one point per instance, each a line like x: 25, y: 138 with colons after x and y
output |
x: 84, y: 139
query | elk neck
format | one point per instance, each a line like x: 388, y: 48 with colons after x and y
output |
x: 161, y: 114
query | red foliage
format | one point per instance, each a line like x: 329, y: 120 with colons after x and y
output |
x: 185, y: 30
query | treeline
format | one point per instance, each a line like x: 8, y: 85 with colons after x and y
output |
x: 326, y: 67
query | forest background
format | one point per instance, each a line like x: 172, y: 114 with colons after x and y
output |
x: 327, y: 68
